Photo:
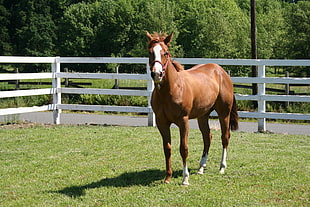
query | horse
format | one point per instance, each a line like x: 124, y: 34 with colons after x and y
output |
x: 180, y: 95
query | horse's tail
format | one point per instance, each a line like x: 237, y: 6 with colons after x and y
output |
x: 234, y: 116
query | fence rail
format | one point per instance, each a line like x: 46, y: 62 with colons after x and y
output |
x: 56, y: 90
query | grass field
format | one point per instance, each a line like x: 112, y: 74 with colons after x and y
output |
x: 124, y: 166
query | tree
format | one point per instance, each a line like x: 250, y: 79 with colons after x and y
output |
x: 271, y: 29
x: 298, y: 37
x: 217, y: 29
x: 5, y: 45
x: 101, y: 28
x: 76, y: 30
x: 153, y: 16
x: 94, y: 29
x: 298, y: 18
x: 114, y: 25
x: 34, y: 31
x: 212, y: 29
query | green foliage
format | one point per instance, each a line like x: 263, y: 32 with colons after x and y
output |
x: 90, y: 24
x: 124, y: 166
x: 298, y: 23
x: 155, y: 16
x: 212, y: 29
x: 271, y: 29
x: 25, y: 101
x: 113, y: 100
x: 5, y: 45
x: 33, y: 28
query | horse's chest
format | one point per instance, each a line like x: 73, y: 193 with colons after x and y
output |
x: 171, y: 107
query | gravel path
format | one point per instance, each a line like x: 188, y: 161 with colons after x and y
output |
x: 74, y: 118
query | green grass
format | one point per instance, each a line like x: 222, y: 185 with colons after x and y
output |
x: 124, y: 166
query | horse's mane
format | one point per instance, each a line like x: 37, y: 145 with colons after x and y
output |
x: 177, y: 66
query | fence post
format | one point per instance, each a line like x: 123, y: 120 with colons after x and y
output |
x: 67, y: 82
x: 116, y: 82
x: 150, y: 88
x: 17, y: 81
x: 261, y: 91
x: 56, y: 84
x: 287, y: 89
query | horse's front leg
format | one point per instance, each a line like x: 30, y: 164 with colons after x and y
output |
x: 183, y: 126
x: 166, y: 136
x: 203, y: 123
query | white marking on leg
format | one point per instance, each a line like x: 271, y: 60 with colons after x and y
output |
x: 185, y: 175
x: 223, y: 162
x: 203, y: 164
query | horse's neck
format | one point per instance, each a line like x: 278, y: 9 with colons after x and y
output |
x: 172, y: 79
x: 172, y: 74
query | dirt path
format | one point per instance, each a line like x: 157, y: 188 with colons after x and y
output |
x: 74, y: 118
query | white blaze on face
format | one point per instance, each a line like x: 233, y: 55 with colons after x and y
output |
x: 157, y: 65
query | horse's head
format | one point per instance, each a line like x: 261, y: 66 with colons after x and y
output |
x: 159, y: 54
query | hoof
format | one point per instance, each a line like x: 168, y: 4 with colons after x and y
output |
x: 185, y: 181
x: 222, y: 171
x: 166, y: 181
x: 200, y: 171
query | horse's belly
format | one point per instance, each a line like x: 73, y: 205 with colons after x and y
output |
x: 196, y: 113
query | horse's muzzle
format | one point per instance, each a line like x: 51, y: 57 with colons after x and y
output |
x: 157, y: 77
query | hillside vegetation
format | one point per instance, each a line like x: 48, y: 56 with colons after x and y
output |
x: 203, y: 28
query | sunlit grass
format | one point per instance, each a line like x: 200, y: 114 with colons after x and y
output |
x: 124, y: 166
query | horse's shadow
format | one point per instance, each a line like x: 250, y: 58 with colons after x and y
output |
x: 142, y: 178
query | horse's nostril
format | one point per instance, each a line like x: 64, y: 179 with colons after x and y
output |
x: 153, y: 74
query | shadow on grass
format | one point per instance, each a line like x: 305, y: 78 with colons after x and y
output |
x: 143, y: 178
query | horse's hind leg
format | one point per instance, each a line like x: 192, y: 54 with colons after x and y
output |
x: 224, y: 120
x: 203, y: 123
x: 183, y: 127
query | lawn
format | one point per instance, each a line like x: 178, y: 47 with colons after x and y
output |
x: 124, y: 166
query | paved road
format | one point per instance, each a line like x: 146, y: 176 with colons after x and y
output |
x: 74, y: 118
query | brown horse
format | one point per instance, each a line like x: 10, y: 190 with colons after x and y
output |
x: 180, y: 95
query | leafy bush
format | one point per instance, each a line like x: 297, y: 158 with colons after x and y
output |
x: 113, y: 100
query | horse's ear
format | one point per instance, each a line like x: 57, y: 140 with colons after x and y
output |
x: 168, y: 39
x: 149, y: 36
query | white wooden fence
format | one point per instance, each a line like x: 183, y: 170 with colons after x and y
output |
x: 56, y: 90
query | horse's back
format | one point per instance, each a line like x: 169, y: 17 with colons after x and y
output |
x: 206, y: 69
x: 210, y: 83
x: 207, y: 75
